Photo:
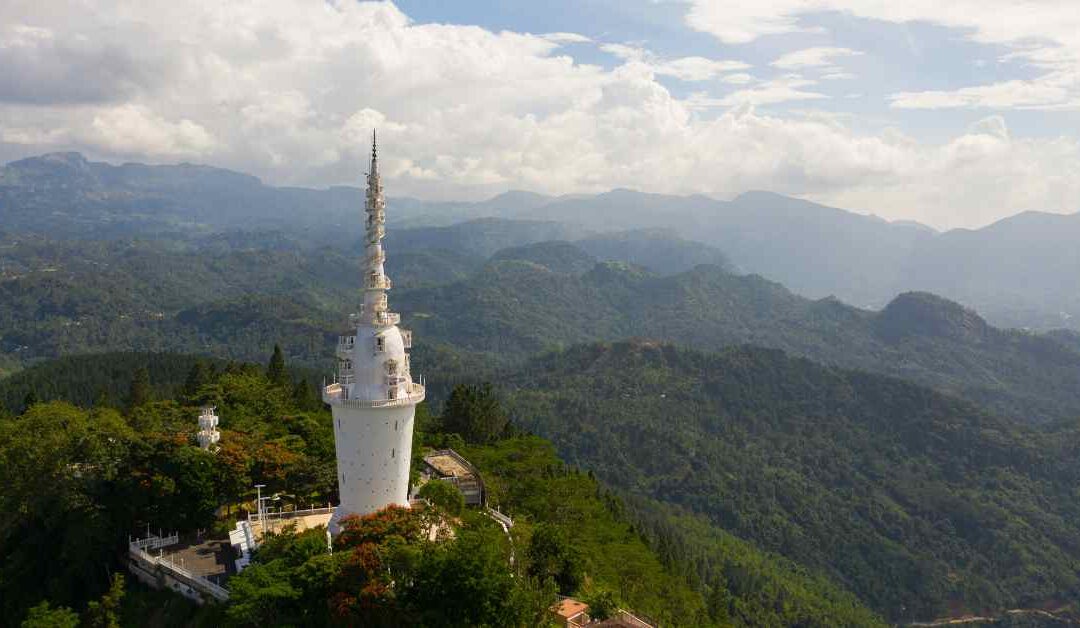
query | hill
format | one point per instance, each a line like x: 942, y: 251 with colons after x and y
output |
x: 141, y: 469
x: 511, y: 308
x: 920, y: 503
x: 60, y: 297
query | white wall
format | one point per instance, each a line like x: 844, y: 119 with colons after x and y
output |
x: 374, y: 450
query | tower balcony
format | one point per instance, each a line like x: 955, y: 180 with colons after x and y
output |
x: 406, y: 338
x: 337, y: 395
x: 376, y: 233
x: 385, y: 319
x: 377, y: 282
x: 345, y: 346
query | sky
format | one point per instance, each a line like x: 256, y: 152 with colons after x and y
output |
x: 954, y: 114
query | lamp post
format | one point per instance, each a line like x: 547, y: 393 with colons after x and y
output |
x: 259, y: 501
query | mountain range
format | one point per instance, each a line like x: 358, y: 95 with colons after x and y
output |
x: 791, y: 398
x: 1019, y: 272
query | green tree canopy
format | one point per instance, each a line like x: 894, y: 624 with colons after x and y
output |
x: 45, y: 616
x: 139, y: 393
x: 443, y: 495
x: 275, y: 369
x: 474, y: 412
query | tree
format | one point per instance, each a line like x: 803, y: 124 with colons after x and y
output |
x: 474, y: 412
x: 198, y: 376
x: 105, y: 613
x: 444, y: 496
x: 303, y: 397
x: 551, y: 556
x: 45, y: 616
x: 262, y: 595
x: 29, y: 400
x: 196, y: 496
x: 602, y: 604
x: 275, y: 370
x: 139, y: 393
x: 467, y: 582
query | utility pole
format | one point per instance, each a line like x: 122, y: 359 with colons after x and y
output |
x: 259, y: 502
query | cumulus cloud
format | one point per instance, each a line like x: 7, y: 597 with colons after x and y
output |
x: 289, y: 90
x: 42, y: 68
x: 1044, y: 34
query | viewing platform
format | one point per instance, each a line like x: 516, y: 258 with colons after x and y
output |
x: 337, y: 395
x: 378, y: 282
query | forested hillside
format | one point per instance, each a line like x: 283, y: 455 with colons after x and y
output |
x: 79, y: 480
x: 69, y: 297
x: 516, y: 308
x: 922, y: 504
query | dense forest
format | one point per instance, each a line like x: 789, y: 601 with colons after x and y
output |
x: 73, y: 297
x: 80, y: 479
x: 921, y: 504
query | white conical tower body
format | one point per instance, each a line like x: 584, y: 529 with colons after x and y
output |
x: 374, y: 398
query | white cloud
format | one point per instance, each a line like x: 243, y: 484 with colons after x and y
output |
x: 625, y: 52
x: 812, y: 58
x: 683, y: 68
x: 289, y: 90
x: 697, y: 68
x: 1045, y: 34
x: 566, y: 38
x: 739, y: 78
x: 1005, y: 95
x: 784, y: 89
x: 135, y: 130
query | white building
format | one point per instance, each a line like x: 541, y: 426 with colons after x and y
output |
x: 374, y: 397
x: 208, y: 434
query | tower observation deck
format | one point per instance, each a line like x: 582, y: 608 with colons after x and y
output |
x: 373, y: 398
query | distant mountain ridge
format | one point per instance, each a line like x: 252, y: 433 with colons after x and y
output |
x: 516, y: 308
x: 1022, y: 271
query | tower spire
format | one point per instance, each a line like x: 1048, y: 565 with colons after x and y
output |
x: 374, y: 155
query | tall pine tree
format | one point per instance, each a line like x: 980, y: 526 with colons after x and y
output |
x: 275, y: 370
x: 140, y: 392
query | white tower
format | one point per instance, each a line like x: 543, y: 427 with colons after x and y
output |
x: 374, y: 398
x: 208, y: 433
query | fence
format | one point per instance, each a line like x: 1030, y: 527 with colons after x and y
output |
x: 158, y: 571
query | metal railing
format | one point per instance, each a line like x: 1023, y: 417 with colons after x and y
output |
x: 289, y: 514
x: 380, y: 282
x: 334, y: 395
x: 386, y: 318
x: 136, y: 549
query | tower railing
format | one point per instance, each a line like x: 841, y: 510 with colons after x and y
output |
x: 378, y: 282
x: 334, y: 394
